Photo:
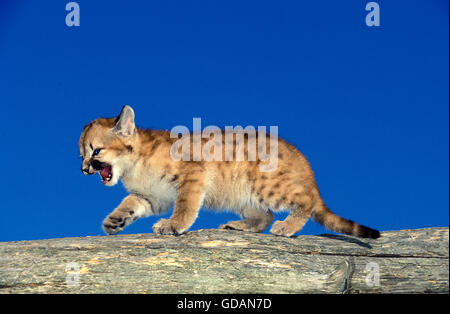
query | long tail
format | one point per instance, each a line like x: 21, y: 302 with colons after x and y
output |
x: 331, y: 221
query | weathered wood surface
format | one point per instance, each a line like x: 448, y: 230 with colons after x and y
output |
x: 224, y: 261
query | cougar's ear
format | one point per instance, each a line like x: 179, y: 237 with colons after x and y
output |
x: 125, y: 122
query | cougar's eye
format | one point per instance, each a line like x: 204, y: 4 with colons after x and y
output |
x: 96, y: 152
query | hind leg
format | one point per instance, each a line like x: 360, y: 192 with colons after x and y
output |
x: 300, y: 213
x: 255, y: 220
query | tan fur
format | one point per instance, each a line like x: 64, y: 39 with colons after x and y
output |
x: 141, y: 159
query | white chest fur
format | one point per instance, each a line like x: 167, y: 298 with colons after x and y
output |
x: 159, y: 192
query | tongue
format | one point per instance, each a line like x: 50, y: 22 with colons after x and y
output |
x: 105, y: 172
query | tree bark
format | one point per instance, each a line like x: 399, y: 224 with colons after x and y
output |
x: 225, y: 261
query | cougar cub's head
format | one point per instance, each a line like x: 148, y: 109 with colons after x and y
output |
x: 106, y: 146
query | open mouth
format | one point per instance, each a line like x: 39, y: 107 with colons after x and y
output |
x: 106, y: 173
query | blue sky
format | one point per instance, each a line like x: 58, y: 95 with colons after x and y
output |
x: 369, y: 107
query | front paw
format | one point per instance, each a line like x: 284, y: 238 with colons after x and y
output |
x: 165, y: 226
x: 117, y: 221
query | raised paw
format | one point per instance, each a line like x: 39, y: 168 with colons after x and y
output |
x: 165, y: 226
x: 118, y: 220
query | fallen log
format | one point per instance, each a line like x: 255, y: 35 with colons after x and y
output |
x: 225, y: 261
